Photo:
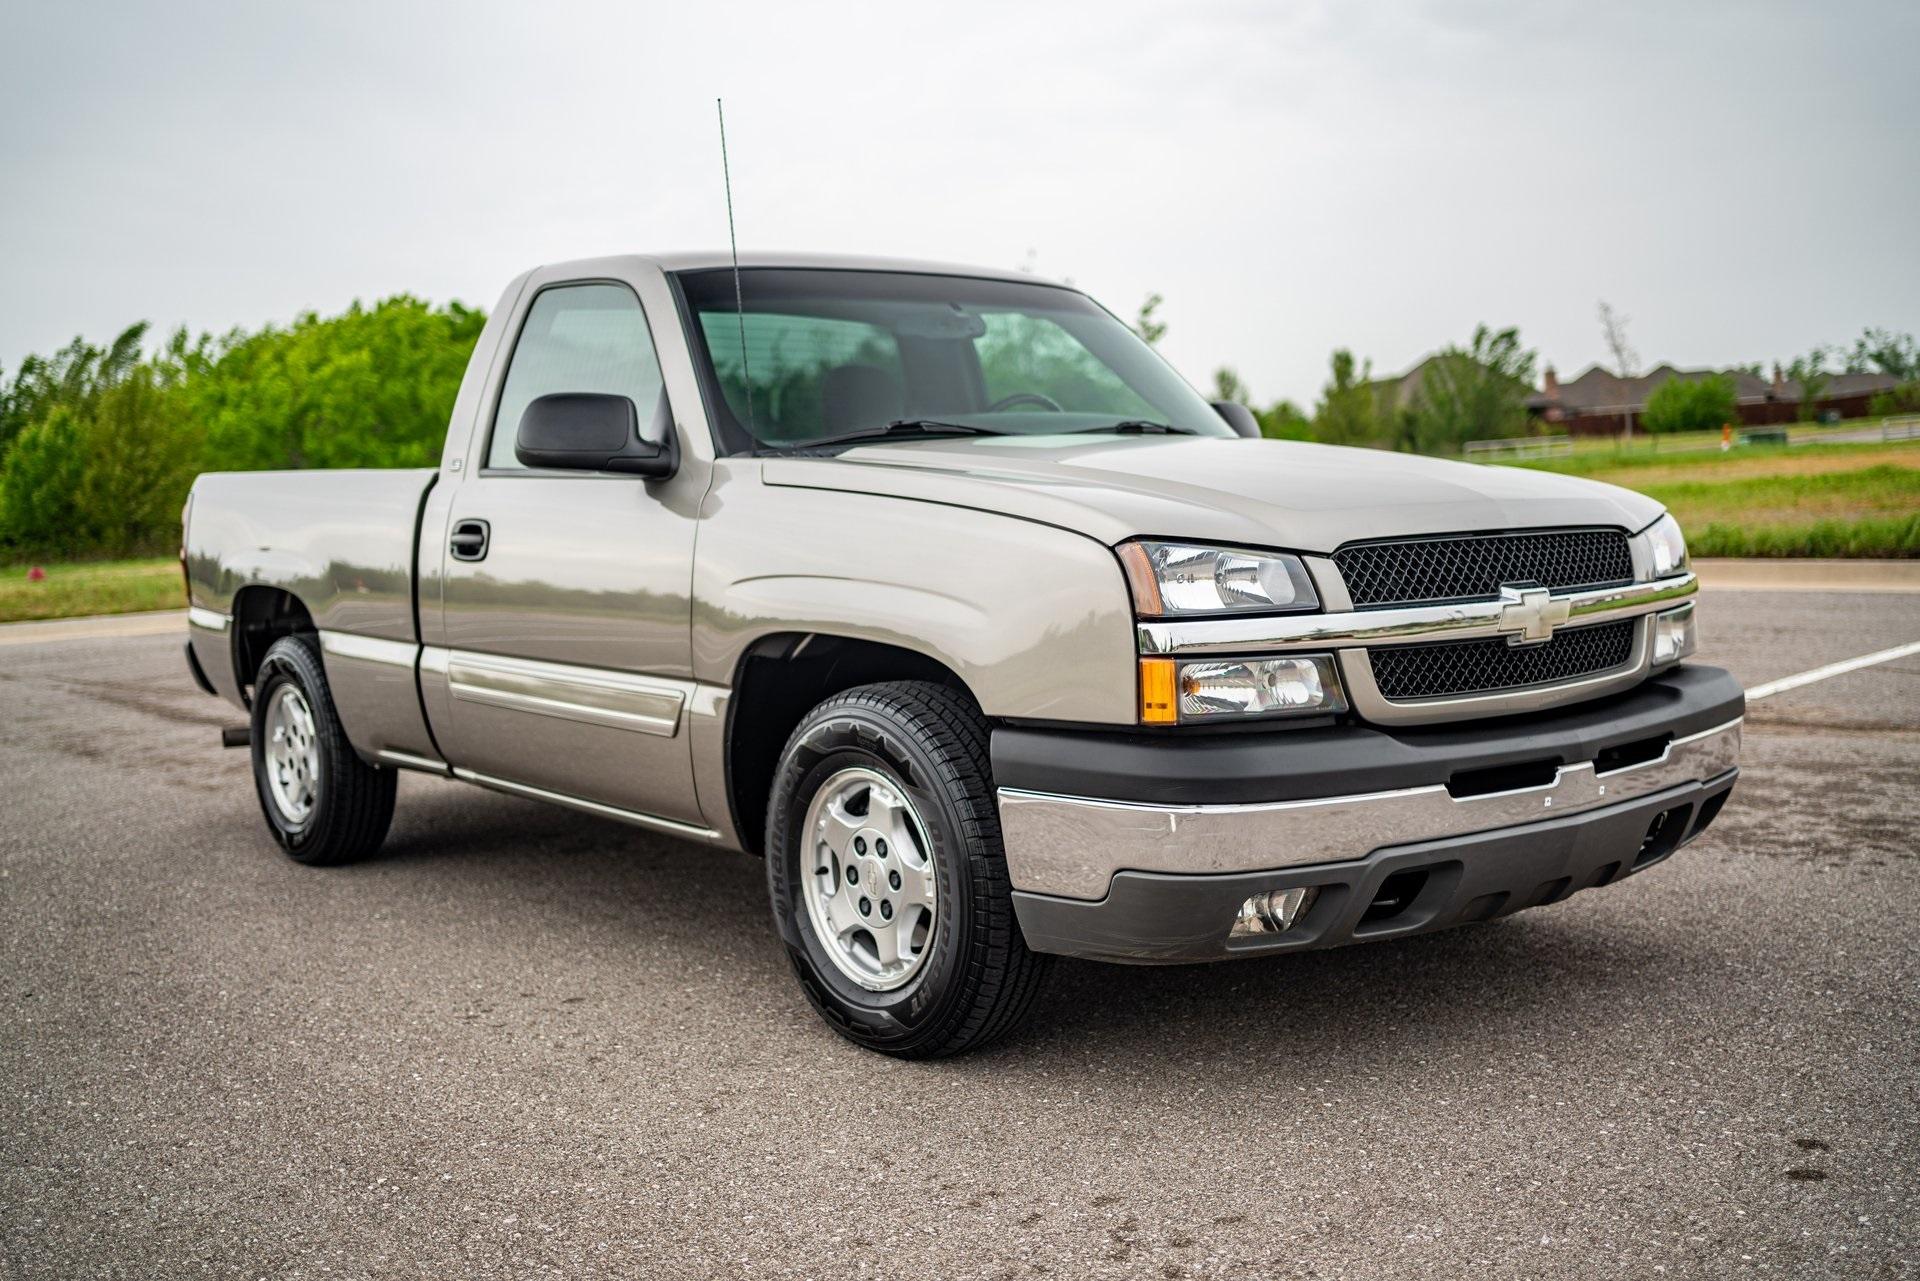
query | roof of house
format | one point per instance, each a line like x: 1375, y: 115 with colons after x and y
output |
x: 1599, y: 391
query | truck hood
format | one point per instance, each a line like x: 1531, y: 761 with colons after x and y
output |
x: 1302, y: 497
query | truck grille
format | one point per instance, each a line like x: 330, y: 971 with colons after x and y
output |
x: 1481, y: 666
x: 1450, y: 568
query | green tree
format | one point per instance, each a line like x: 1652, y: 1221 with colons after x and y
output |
x: 1690, y: 404
x: 1148, y: 323
x: 1477, y: 392
x: 107, y: 476
x: 372, y: 387
x: 1227, y: 385
x: 1348, y: 412
x: 1282, y: 420
x: 72, y: 376
x: 1904, y: 399
x: 40, y: 486
x: 1813, y: 375
x: 1883, y: 351
x: 98, y: 446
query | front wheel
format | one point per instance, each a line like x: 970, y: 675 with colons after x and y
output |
x: 322, y: 802
x: 887, y: 876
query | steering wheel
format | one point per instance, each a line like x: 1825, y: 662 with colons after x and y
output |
x: 1025, y: 398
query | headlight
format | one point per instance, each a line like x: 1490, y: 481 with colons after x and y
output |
x: 1669, y: 547
x: 1169, y: 579
x: 1177, y: 693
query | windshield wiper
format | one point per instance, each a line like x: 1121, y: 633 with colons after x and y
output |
x: 901, y: 429
x: 1137, y: 427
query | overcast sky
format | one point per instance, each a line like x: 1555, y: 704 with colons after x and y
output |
x: 1741, y: 179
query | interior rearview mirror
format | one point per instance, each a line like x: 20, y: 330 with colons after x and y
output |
x: 590, y: 431
x: 1238, y: 417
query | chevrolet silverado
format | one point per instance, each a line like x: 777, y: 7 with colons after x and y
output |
x: 940, y: 591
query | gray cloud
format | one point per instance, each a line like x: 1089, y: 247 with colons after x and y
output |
x: 1739, y: 178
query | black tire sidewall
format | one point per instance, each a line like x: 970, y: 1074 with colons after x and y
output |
x: 826, y: 743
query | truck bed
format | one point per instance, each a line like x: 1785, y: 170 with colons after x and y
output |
x: 341, y: 541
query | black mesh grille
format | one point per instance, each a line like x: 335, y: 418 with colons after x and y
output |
x: 1481, y: 666
x: 1428, y: 569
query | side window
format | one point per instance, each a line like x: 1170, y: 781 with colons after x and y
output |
x: 577, y: 338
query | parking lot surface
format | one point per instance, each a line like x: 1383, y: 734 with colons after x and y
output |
x: 527, y: 1042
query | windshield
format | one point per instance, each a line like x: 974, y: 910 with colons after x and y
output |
x: 830, y: 352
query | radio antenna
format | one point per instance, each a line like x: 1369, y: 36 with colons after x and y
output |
x: 739, y: 305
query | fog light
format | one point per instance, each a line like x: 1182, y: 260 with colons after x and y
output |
x: 1673, y: 637
x: 1273, y: 912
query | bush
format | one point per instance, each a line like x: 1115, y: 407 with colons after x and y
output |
x: 98, y: 447
x: 1696, y: 404
x: 368, y: 388
x: 1904, y: 399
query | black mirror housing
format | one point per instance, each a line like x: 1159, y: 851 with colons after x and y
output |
x: 590, y: 431
x: 1238, y: 417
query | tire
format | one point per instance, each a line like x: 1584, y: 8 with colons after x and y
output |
x: 348, y: 803
x: 972, y: 979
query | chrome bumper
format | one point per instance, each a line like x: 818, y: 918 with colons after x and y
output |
x: 1071, y: 846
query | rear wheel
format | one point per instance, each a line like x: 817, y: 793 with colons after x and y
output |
x: 887, y: 876
x: 322, y: 802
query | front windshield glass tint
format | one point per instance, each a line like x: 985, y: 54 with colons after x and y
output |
x: 830, y: 352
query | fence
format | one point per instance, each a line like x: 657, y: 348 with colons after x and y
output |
x: 1520, y: 447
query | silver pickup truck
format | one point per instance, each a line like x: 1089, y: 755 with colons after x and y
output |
x: 940, y: 591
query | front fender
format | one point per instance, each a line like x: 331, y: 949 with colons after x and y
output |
x: 1035, y: 620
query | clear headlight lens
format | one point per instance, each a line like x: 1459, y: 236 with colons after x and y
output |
x: 1673, y: 635
x: 1182, y: 692
x: 1669, y: 547
x: 1170, y: 579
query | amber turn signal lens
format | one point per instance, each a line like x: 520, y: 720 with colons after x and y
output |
x: 1157, y: 694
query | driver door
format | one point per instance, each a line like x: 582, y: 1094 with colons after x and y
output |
x: 564, y: 603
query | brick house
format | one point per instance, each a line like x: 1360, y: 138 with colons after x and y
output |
x: 1602, y: 403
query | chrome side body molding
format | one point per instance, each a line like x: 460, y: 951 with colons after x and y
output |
x: 620, y: 700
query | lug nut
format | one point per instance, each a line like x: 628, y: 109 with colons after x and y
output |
x: 886, y: 910
x: 880, y: 848
x: 853, y: 876
x: 866, y: 906
x: 859, y: 845
x: 893, y: 879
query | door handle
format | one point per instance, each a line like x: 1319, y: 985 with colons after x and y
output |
x: 469, y: 541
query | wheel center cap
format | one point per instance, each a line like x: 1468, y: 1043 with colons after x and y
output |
x: 873, y: 875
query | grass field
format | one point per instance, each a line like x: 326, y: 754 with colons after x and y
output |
x: 96, y: 587
x: 1808, y: 500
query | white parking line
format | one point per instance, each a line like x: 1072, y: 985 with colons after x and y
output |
x: 1831, y: 669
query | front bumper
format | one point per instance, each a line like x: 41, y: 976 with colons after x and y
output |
x: 1114, y: 855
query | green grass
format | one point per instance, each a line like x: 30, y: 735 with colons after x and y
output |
x: 1840, y: 500
x: 90, y: 587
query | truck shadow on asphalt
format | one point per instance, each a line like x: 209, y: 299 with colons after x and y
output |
x: 1579, y: 972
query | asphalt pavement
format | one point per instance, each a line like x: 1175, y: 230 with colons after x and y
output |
x: 530, y: 1043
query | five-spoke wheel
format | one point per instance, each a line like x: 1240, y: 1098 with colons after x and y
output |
x: 871, y: 895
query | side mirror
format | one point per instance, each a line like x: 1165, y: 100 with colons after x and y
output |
x: 588, y: 431
x: 1238, y: 417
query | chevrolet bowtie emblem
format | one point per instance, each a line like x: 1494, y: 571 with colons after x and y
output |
x: 1529, y: 614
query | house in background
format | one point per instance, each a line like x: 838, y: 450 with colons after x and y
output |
x: 1602, y: 403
